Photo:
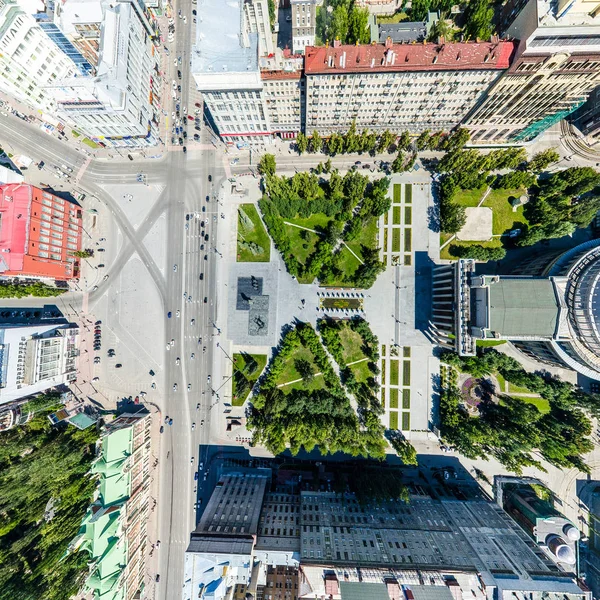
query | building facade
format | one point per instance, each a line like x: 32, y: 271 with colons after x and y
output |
x: 556, y: 68
x: 113, y: 531
x: 29, y: 59
x: 39, y: 233
x: 410, y: 87
x: 119, y: 104
x: 304, y: 24
x: 257, y: 21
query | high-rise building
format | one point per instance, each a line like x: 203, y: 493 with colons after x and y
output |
x: 113, y: 531
x: 547, y: 311
x: 399, y: 87
x: 322, y: 544
x: 556, y: 68
x: 39, y: 233
x: 118, y: 105
x: 256, y: 20
x: 30, y: 60
x: 587, y: 118
x: 304, y: 24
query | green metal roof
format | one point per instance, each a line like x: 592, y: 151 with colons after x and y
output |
x: 117, y: 445
x: 523, y: 307
x: 363, y: 591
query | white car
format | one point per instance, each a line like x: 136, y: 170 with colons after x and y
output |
x: 189, y: 387
x: 235, y: 161
x: 193, y: 321
x: 193, y: 426
x: 175, y: 268
x: 172, y: 343
x: 174, y: 84
x: 174, y: 387
x: 168, y: 346
x: 177, y: 361
x: 193, y: 356
x: 185, y: 19
x: 177, y: 314
x: 208, y: 379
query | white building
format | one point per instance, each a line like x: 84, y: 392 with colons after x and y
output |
x: 304, y: 24
x: 29, y: 59
x: 256, y: 20
x: 556, y: 68
x: 400, y: 87
x: 36, y: 358
x: 116, y: 105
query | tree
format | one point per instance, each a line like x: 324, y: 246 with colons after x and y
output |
x: 305, y: 369
x: 398, y: 163
x: 82, y: 253
x: 358, y: 25
x: 441, y: 29
x: 335, y: 144
x: 301, y: 143
x: 423, y: 140
x: 272, y: 13
x: 316, y: 143
x: 351, y: 139
x: 419, y: 9
x: 386, y: 139
x: 479, y: 16
x: 477, y: 252
x: 327, y: 166
x: 405, y: 450
x: 542, y: 160
x: 514, y: 180
x: 404, y: 141
x: 267, y: 165
x: 457, y: 139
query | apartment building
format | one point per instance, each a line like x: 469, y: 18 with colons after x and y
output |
x: 119, y: 105
x: 557, y: 66
x: 304, y: 24
x: 39, y: 232
x: 399, y: 86
x: 113, y: 531
x: 29, y: 59
x: 275, y: 545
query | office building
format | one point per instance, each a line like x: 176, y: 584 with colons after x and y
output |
x: 119, y: 104
x: 587, y: 118
x: 556, y: 67
x: 113, y: 531
x: 29, y: 59
x: 39, y: 233
x: 304, y: 24
x: 35, y: 358
x: 547, y: 311
x: 257, y: 21
x: 399, y: 86
x: 332, y: 546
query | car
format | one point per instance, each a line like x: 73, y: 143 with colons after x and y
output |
x: 177, y: 314
x: 205, y: 299
x: 190, y: 118
x: 193, y: 426
x: 210, y: 178
x: 201, y: 276
x: 179, y: 88
x: 198, y: 406
x: 196, y: 476
x: 192, y: 460
x: 162, y: 428
x: 196, y: 137
x: 96, y: 360
x: 157, y: 579
x: 98, y: 323
x: 206, y: 238
x: 181, y: 141
x: 175, y: 268
x: 177, y: 361
x: 118, y: 366
x: 202, y: 422
x: 289, y: 18
x: 184, y: 149
x: 179, y: 74
x: 96, y: 379
x: 204, y: 349
x: 41, y: 165
x: 168, y: 346
x: 185, y: 134
x: 204, y: 209
x: 101, y: 266
x: 153, y: 385
x: 172, y: 342
x: 169, y: 314
x: 167, y: 419
x: 130, y: 157
x: 189, y: 387
x: 202, y: 224
x: 170, y: 421
x: 208, y: 379
x: 193, y: 321
x: 94, y: 288
x: 174, y: 387
x: 185, y: 19
x: 235, y: 161
x: 151, y: 373
x: 201, y: 466
x: 192, y: 356
x: 206, y: 257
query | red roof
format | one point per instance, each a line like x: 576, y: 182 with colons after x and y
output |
x: 408, y: 57
x: 15, y: 207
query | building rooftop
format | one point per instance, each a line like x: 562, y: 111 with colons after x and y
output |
x: 406, y: 31
x: 221, y: 47
x: 408, y: 57
x: 363, y: 591
x: 523, y: 307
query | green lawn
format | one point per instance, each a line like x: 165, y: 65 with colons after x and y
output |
x: 406, y: 373
x: 504, y: 218
x: 408, y: 215
x: 397, y: 192
x: 257, y: 235
x: 517, y: 389
x: 367, y: 237
x: 393, y: 398
x: 469, y: 197
x: 291, y: 374
x: 90, y: 143
x: 408, y: 193
x: 394, y: 371
x: 361, y: 371
x: 396, y: 239
x: 397, y: 17
x: 302, y: 247
x: 347, y: 263
x: 493, y: 243
x: 318, y: 220
x: 407, y: 260
x: 405, y: 421
x: 406, y: 398
x: 394, y: 420
x: 540, y: 403
x: 489, y: 343
x: 351, y: 342
x: 241, y: 365
x: 407, y: 239
x: 396, y: 220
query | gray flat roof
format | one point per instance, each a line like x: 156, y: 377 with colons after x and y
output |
x: 363, y: 591
x: 218, y: 47
x: 431, y: 592
x: 523, y: 307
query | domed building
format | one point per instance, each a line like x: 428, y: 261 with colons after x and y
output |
x: 550, y: 311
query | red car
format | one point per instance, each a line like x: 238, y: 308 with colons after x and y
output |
x: 190, y: 117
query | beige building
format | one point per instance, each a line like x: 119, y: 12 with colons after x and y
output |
x: 399, y: 87
x: 556, y: 68
x: 304, y: 24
